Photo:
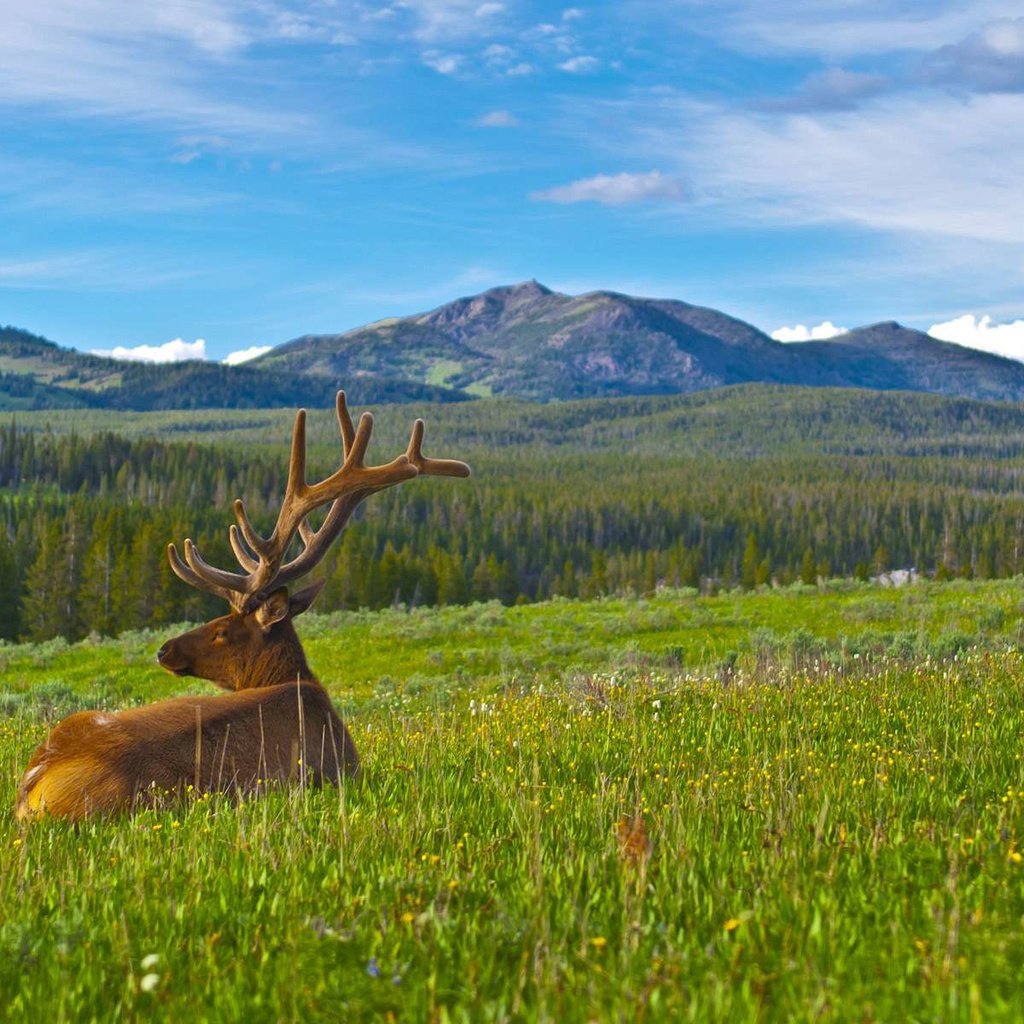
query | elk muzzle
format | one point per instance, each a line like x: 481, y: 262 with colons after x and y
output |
x: 170, y: 659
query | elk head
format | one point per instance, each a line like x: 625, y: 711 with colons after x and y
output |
x: 238, y: 650
x: 255, y: 644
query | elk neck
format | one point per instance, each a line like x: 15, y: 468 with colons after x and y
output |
x: 280, y: 659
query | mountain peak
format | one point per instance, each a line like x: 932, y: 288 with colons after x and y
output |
x: 523, y: 290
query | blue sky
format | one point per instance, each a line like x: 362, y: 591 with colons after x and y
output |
x: 244, y: 173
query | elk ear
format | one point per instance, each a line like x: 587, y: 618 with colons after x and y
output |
x: 272, y: 610
x: 301, y: 601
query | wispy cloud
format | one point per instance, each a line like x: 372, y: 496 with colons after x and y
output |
x: 935, y: 165
x: 501, y: 59
x: 451, y: 19
x: 175, y: 351
x: 149, y: 63
x: 982, y: 333
x: 614, y: 190
x: 497, y: 119
x: 581, y: 65
x: 799, y: 332
x: 832, y: 89
x: 105, y: 270
x: 837, y: 29
x: 442, y: 63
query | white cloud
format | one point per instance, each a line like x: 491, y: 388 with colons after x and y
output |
x: 504, y: 60
x: 499, y: 54
x: 245, y: 354
x: 614, y: 189
x: 497, y: 119
x: 822, y: 332
x: 170, y: 352
x: 489, y: 9
x: 442, y: 63
x: 579, y: 65
x: 980, y: 332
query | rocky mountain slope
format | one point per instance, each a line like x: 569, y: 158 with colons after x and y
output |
x: 530, y: 342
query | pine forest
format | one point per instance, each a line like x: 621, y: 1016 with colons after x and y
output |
x: 743, y: 487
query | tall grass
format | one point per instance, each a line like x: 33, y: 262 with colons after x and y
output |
x: 818, y: 819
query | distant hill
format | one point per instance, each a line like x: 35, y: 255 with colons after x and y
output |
x: 523, y: 341
x: 37, y: 374
x: 888, y: 356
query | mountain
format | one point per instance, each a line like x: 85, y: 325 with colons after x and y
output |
x: 524, y: 341
x: 529, y: 342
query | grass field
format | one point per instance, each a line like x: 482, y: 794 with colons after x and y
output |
x: 794, y: 805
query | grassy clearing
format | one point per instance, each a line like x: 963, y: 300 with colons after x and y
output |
x: 443, y: 369
x: 782, y: 806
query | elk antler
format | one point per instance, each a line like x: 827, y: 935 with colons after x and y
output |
x: 262, y: 558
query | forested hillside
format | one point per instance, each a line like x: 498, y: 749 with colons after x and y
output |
x: 36, y: 374
x: 745, y: 486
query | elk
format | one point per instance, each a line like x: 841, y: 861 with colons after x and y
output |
x: 277, y: 725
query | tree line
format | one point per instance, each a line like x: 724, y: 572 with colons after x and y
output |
x: 85, y: 521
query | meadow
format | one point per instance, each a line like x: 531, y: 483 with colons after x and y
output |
x: 793, y: 804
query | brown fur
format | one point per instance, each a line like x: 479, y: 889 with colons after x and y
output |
x: 278, y: 725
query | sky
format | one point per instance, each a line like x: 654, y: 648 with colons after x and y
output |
x: 210, y: 177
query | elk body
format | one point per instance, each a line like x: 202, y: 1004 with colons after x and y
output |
x: 278, y: 724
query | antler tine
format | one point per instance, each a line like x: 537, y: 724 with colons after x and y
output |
x: 348, y: 431
x: 210, y: 573
x: 355, y: 448
x: 195, y: 579
x: 432, y: 467
x: 256, y: 544
x: 297, y: 462
x: 246, y: 559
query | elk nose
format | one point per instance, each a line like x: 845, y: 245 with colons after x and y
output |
x: 162, y: 653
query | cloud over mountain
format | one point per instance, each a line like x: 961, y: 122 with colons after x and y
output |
x: 982, y: 333
x: 175, y: 351
x: 799, y: 332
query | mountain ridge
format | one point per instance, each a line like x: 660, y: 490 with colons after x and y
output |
x: 525, y: 341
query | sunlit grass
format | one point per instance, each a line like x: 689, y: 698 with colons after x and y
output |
x: 823, y: 822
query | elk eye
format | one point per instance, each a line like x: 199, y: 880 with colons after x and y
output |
x: 220, y: 636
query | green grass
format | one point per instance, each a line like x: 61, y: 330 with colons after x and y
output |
x: 830, y: 784
x: 442, y: 370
